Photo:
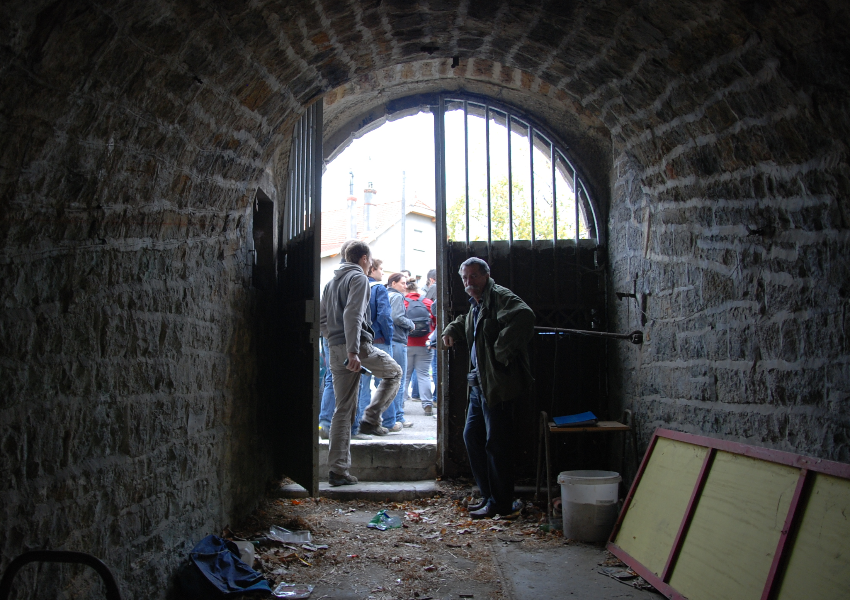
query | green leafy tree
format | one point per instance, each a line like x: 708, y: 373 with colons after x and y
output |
x: 456, y: 217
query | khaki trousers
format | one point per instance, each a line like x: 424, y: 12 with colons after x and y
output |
x: 347, y: 390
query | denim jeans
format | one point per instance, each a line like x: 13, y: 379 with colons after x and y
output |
x: 419, y: 359
x: 326, y: 412
x: 434, y: 370
x: 488, y: 440
x: 347, y: 392
x: 366, y: 388
x: 395, y: 412
x: 414, y: 389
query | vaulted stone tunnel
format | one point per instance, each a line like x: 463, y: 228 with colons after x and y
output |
x: 135, y: 136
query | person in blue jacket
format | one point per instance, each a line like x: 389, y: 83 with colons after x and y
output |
x: 380, y: 313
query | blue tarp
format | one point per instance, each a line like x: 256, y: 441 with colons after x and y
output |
x: 217, y: 560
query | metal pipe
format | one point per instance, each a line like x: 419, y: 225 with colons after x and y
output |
x: 466, y: 162
x: 510, y: 185
x: 635, y: 337
x: 489, y: 211
x: 61, y: 556
x: 552, y: 158
x: 531, y: 177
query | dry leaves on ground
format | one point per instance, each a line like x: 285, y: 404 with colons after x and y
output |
x: 438, y: 543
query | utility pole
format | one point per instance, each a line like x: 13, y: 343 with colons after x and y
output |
x: 403, y: 220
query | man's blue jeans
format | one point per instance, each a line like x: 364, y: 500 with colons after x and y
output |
x: 395, y: 411
x: 434, y: 370
x: 326, y: 412
x: 487, y: 436
x: 366, y: 389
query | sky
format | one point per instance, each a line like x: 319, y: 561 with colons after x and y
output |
x: 380, y: 157
x: 406, y: 146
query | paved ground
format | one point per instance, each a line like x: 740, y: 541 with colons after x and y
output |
x: 424, y: 427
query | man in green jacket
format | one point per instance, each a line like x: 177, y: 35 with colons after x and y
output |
x: 498, y: 330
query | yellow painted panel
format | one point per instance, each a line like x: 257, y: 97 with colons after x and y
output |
x: 733, y: 536
x: 819, y: 565
x: 660, y: 501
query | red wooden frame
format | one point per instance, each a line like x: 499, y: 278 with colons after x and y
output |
x: 806, y: 464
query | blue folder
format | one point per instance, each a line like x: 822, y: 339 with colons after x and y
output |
x: 581, y: 419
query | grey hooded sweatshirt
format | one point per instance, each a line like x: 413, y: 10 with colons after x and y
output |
x: 344, y: 311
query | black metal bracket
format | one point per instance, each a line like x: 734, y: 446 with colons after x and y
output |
x: 61, y: 556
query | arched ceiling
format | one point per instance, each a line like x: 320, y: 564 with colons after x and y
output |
x: 189, y: 102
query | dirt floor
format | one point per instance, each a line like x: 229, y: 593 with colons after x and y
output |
x: 438, y: 552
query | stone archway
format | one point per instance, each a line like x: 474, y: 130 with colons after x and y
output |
x: 134, y: 136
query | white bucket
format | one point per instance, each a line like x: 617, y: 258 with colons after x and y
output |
x: 589, y: 504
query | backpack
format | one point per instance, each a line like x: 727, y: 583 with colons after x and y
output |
x: 421, y: 317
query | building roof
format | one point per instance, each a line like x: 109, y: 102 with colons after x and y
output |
x: 336, y: 226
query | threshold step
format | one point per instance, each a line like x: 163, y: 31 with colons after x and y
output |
x: 378, y: 491
x: 387, y: 460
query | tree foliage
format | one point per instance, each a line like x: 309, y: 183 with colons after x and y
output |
x: 521, y: 205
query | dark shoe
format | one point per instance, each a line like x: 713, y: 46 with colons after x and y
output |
x: 476, y: 506
x: 369, y: 429
x: 334, y: 479
x: 427, y: 410
x: 488, y: 512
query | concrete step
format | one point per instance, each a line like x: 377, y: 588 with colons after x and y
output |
x: 394, y: 491
x: 387, y: 460
x: 377, y: 491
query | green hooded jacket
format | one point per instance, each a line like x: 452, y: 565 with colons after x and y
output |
x: 505, y: 327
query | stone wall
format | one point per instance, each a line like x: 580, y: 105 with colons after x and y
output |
x: 127, y: 374
x: 730, y: 214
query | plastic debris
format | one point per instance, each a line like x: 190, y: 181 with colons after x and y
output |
x: 383, y: 521
x: 293, y: 590
x: 280, y: 534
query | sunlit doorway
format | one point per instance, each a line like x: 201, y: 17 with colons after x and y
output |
x: 379, y: 188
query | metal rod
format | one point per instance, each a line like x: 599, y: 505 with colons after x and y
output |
x: 635, y: 337
x: 577, y: 197
x: 552, y: 158
x: 487, y: 143
x: 510, y: 185
x: 466, y: 162
x: 60, y: 556
x: 531, y: 177
x: 443, y: 278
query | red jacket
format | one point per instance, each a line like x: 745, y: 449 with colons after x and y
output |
x: 420, y: 341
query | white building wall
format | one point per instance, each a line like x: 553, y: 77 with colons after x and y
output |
x: 420, y: 254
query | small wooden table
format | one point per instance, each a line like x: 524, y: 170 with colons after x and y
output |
x: 547, y: 428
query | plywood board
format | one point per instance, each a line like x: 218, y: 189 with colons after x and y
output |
x: 757, y: 523
x: 729, y: 547
x: 819, y: 565
x: 659, y: 503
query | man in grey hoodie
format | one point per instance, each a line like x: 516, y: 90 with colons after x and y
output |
x: 345, y: 323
